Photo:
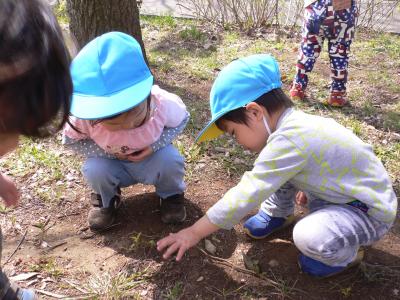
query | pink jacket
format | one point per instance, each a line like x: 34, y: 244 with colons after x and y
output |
x: 167, y: 110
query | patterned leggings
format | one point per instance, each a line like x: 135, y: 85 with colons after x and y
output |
x: 321, y: 22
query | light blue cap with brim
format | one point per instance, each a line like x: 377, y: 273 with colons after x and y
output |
x: 239, y: 83
x: 110, y: 76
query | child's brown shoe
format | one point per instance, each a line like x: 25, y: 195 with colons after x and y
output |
x: 100, y: 217
x: 337, y: 99
x: 297, y: 93
x: 173, y: 209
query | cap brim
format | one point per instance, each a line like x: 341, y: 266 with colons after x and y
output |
x: 98, y: 107
x: 211, y: 131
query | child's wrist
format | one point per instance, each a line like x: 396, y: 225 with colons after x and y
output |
x: 203, y: 227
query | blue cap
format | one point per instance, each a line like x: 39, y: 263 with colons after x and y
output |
x: 240, y: 82
x: 110, y: 76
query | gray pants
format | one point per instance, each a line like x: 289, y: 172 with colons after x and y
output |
x: 330, y: 233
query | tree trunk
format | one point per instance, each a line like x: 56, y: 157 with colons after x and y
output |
x: 91, y: 18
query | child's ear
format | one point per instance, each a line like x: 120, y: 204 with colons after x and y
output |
x: 255, y: 110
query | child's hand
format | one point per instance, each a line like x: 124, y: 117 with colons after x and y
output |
x: 186, y: 238
x: 8, y: 191
x: 178, y: 242
x: 140, y: 155
x: 301, y: 199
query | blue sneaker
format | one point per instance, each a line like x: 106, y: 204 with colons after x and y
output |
x: 262, y: 225
x: 316, y: 268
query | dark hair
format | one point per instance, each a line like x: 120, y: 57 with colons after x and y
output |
x: 35, y: 82
x: 273, y: 101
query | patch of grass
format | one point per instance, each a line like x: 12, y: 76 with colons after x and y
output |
x: 140, y: 241
x: 175, y: 292
x: 161, y: 61
x: 192, y: 33
x: 368, y: 108
x: 49, y: 266
x: 285, y: 288
x: 392, y: 120
x: 162, y: 22
x: 232, y: 158
x: 192, y: 153
x: 385, y: 43
x: 43, y: 225
x: 4, y: 209
x: 231, y: 37
x: 51, y: 193
x: 385, y: 80
x: 379, y: 273
x: 346, y: 291
x: 42, y: 166
x: 117, y: 286
x: 235, y: 293
x: 355, y: 126
x: 388, y: 152
x: 30, y: 157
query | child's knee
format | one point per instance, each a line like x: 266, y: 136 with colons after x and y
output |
x: 315, y: 240
x: 169, y: 159
x: 302, y: 237
x: 94, y: 169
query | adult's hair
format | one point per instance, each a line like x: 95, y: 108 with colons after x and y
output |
x: 273, y: 101
x: 35, y: 82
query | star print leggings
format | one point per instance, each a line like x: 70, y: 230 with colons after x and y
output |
x: 322, y: 22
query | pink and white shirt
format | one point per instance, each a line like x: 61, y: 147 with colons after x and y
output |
x: 166, y: 110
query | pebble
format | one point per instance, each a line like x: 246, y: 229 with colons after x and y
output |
x: 273, y: 263
x: 210, y: 247
x: 396, y: 136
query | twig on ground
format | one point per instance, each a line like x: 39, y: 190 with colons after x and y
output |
x: 237, y: 268
x: 16, y: 249
x: 82, y: 229
x: 78, y: 297
x: 355, y: 67
x: 68, y: 215
x: 93, y: 234
x: 55, y: 246
x: 50, y: 294
x: 108, y: 257
x: 76, y: 287
x: 261, y: 276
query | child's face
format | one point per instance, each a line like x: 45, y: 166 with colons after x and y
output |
x: 9, y: 141
x: 133, y: 118
x: 252, y: 136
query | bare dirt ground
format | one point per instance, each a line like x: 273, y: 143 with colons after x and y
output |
x: 48, y: 242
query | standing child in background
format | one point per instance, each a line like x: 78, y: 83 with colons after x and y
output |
x: 349, y: 193
x: 35, y: 90
x: 335, y: 21
x: 124, y: 126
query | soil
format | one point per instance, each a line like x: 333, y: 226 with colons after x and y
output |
x: 70, y: 261
x: 83, y: 255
